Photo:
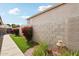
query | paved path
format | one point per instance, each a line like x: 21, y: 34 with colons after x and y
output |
x: 29, y: 52
x: 9, y: 48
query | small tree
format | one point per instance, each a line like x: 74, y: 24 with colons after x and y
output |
x: 8, y: 24
x: 13, y: 26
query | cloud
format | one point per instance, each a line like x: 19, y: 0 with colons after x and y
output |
x: 14, y: 11
x: 42, y: 8
x: 25, y: 17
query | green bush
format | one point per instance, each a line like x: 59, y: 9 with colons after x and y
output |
x: 40, y: 50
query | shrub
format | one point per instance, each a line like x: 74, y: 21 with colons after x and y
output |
x: 16, y: 31
x: 27, y: 32
x: 70, y: 53
x: 41, y: 50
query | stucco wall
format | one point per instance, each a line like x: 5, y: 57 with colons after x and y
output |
x: 57, y: 24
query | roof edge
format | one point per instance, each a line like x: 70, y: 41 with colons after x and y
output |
x: 45, y: 11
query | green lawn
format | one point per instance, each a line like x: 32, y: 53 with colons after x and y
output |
x: 21, y: 42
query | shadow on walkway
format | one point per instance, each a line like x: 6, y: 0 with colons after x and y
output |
x: 1, y: 40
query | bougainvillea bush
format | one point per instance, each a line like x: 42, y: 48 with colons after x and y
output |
x: 28, y: 32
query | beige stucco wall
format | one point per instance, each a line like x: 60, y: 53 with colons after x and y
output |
x: 57, y: 24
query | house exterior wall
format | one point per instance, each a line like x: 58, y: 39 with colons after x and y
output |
x: 59, y: 23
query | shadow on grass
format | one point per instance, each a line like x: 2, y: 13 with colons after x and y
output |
x: 32, y: 43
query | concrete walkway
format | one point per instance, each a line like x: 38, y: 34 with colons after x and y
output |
x: 9, y: 48
x: 29, y: 52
